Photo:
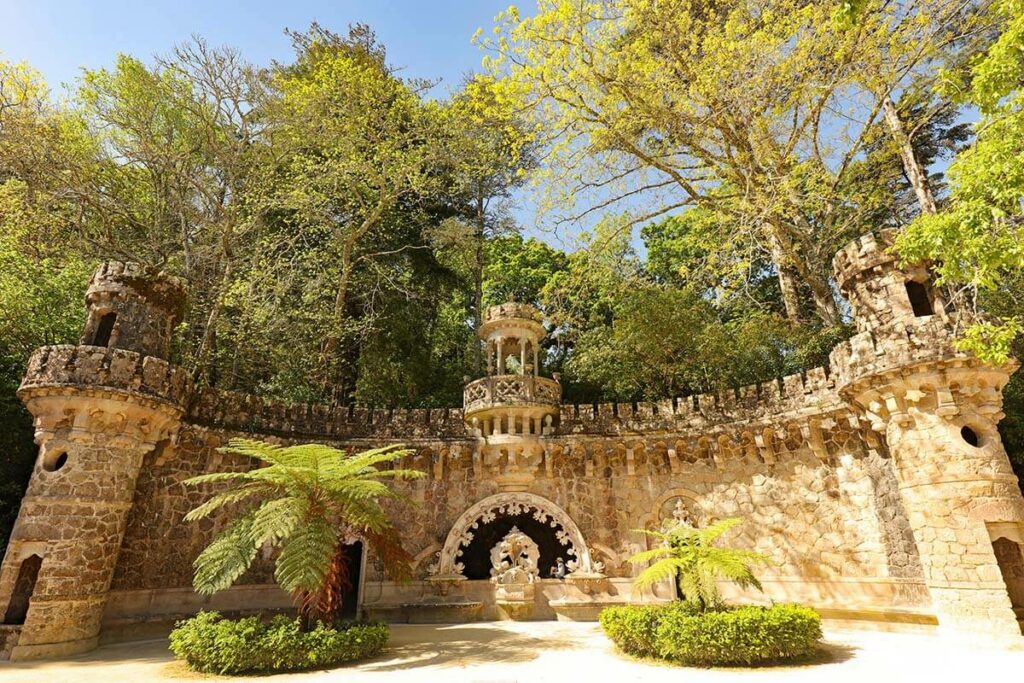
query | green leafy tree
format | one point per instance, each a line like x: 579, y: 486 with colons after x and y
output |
x: 518, y: 269
x: 302, y: 502
x: 757, y: 110
x: 489, y: 155
x: 692, y: 559
x: 977, y: 241
x: 357, y: 163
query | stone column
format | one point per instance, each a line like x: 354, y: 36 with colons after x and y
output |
x: 501, y: 358
x: 522, y: 355
x: 536, y: 363
x: 956, y: 483
x: 97, y: 413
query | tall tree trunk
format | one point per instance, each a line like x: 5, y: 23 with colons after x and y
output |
x: 787, y: 283
x: 916, y: 174
x: 788, y: 257
x: 478, y: 285
x: 201, y: 365
x: 329, y: 357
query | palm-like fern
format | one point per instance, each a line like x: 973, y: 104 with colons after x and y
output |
x: 690, y: 556
x: 303, y: 501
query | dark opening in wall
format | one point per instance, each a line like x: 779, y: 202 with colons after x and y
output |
x: 476, y: 556
x: 1011, y: 566
x: 970, y: 436
x: 919, y: 299
x: 104, y: 329
x: 24, y: 585
x: 54, y: 461
x: 354, y: 565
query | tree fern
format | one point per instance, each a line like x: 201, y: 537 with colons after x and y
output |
x: 690, y: 557
x: 303, y: 501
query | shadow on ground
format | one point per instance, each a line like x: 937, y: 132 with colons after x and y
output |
x: 445, y: 645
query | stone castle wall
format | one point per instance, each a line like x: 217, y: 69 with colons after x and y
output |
x: 788, y: 456
x: 878, y: 485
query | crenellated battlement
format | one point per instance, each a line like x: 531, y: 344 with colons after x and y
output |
x: 245, y: 412
x: 862, y: 256
x: 133, y: 307
x: 798, y: 394
x: 94, y: 368
x: 805, y: 394
x: 868, y: 355
x: 511, y: 309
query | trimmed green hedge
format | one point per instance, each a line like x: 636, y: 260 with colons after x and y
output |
x: 212, y: 644
x: 724, y: 637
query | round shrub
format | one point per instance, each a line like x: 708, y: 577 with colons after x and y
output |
x: 724, y: 637
x: 633, y: 628
x: 212, y: 644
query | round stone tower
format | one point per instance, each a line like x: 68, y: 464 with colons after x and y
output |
x: 99, y: 408
x: 937, y: 409
x: 513, y: 407
x: 132, y: 308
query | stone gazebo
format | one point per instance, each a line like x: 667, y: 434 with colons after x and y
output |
x: 512, y: 414
x: 513, y: 407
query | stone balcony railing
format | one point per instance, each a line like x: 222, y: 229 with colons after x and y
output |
x: 104, y: 369
x: 511, y: 309
x: 510, y: 390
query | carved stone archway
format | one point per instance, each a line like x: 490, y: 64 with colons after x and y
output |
x: 489, y: 508
x: 666, y: 503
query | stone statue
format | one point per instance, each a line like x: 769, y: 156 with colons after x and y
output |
x: 514, y: 559
x: 559, y: 570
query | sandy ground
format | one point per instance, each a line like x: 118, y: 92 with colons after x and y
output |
x: 503, y: 652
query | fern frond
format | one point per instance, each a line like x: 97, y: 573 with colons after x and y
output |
x: 226, y: 559
x: 711, y: 532
x: 215, y: 477
x: 652, y: 554
x: 306, y: 556
x: 258, y: 450
x: 224, y: 498
x: 276, y: 520
x: 665, y: 568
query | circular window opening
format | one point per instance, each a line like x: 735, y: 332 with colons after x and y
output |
x: 54, y: 461
x: 970, y: 436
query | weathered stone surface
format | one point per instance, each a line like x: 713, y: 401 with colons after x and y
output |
x: 858, y: 480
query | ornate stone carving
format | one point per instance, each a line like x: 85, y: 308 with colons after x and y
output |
x: 490, y: 508
x: 514, y: 559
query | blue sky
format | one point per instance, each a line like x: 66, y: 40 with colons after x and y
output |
x: 427, y: 40
x: 431, y: 40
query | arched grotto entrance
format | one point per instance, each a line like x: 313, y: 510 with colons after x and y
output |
x: 466, y: 551
x: 476, y: 556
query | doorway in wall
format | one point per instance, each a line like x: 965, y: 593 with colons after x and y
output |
x: 350, y: 599
x: 24, y: 585
x: 1011, y: 566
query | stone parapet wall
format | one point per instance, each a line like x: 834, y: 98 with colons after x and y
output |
x: 860, y: 258
x: 245, y: 412
x: 794, y: 395
x: 869, y: 354
x: 98, y: 369
x: 159, y: 290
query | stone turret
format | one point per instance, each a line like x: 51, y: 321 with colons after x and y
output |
x: 131, y: 307
x: 98, y: 408
x: 513, y: 407
x: 936, y: 409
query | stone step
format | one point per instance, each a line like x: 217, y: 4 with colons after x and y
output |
x: 9, y: 635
